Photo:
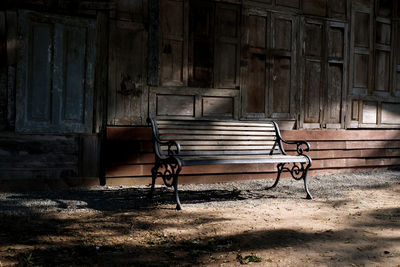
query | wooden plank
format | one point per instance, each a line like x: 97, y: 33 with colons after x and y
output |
x: 129, y: 133
x: 212, y: 127
x: 214, y: 137
x: 214, y: 132
x: 336, y: 135
x: 222, y: 148
x: 12, y: 47
x: 354, y: 153
x: 247, y: 169
x: 224, y: 142
x: 222, y: 123
x: 317, y: 145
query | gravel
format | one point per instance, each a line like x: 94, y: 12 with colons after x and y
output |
x: 230, y: 194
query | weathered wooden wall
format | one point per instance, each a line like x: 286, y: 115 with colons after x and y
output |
x: 70, y: 70
x: 50, y: 56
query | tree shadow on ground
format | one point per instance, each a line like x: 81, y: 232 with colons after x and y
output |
x: 186, y: 252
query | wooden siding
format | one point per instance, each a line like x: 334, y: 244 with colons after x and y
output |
x: 130, y: 155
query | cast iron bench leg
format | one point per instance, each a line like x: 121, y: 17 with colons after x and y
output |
x: 309, y: 196
x: 280, y: 168
x: 178, y: 202
x: 153, y: 181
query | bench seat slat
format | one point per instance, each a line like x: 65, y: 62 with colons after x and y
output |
x: 225, y: 152
x: 211, y: 127
x: 221, y: 147
x: 235, y: 159
x: 216, y: 132
x: 214, y: 137
x: 225, y: 142
x: 221, y: 123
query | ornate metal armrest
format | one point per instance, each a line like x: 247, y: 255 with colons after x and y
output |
x: 174, y: 148
x: 299, y: 145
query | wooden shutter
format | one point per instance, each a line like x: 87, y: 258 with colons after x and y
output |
x: 361, y: 50
x: 282, y: 83
x: 255, y: 74
x: 382, y: 48
x: 396, y: 67
x: 227, y: 41
x: 55, y: 74
x: 334, y: 94
x: 173, y: 60
x: 312, y: 72
x: 127, y: 94
x: 324, y: 73
x: 201, y: 43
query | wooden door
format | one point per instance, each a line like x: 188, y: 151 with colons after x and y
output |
x: 127, y: 94
x: 324, y: 73
x: 55, y: 74
x: 254, y: 70
x: 269, y: 42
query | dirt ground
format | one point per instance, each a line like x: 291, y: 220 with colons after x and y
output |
x: 353, y: 220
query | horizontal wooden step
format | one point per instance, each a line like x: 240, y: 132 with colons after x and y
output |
x: 341, y: 135
x: 142, y: 170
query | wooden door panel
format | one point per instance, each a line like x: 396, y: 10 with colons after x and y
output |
x: 256, y: 30
x: 281, y: 85
x: 56, y: 73
x: 227, y: 46
x: 313, y: 37
x: 337, y: 8
x: 282, y: 34
x: 126, y: 73
x: 312, y: 89
x: 201, y: 43
x: 382, y: 71
x: 333, y: 99
x: 361, y: 65
x: 315, y: 7
x: 173, y: 70
x: 336, y: 43
x: 73, y: 77
x: 39, y: 95
x: 283, y: 67
x: 363, y: 32
x: 256, y: 84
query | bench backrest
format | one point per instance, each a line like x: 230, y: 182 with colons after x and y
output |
x: 220, y: 137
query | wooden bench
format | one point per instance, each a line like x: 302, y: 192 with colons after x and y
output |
x: 179, y: 143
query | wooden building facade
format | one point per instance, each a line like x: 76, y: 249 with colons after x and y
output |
x: 79, y: 78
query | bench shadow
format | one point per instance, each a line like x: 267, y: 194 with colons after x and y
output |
x: 122, y: 199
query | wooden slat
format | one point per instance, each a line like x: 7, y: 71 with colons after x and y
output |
x: 219, y: 148
x: 210, y: 132
x: 353, y: 144
x: 224, y: 142
x: 222, y: 123
x: 211, y: 127
x: 145, y: 170
x: 341, y: 135
x: 214, y: 137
